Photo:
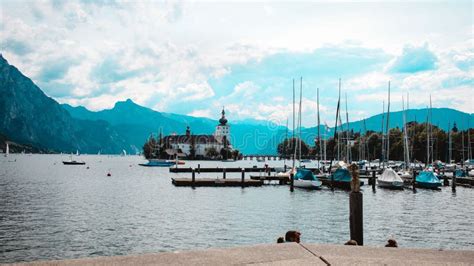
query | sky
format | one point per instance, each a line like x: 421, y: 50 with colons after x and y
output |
x: 193, y: 57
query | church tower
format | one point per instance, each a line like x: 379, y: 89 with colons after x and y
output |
x: 222, y: 130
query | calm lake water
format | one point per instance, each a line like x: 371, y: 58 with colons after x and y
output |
x: 51, y: 211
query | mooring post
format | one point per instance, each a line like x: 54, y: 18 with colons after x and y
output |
x: 332, y: 180
x: 223, y: 173
x: 291, y: 182
x: 193, y: 177
x: 373, y: 181
x: 356, y: 207
x: 199, y: 168
x: 453, y: 183
x: 413, y: 181
x: 243, y: 177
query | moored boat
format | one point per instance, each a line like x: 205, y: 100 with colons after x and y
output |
x: 158, y: 163
x: 341, y: 177
x: 304, y: 178
x: 427, y: 179
x: 390, y: 179
x: 74, y: 162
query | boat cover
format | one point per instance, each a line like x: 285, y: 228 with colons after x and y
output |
x: 389, y: 175
x: 342, y: 174
x: 427, y: 177
x: 460, y: 173
x: 304, y: 174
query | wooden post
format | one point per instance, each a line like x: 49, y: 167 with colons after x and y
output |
x: 223, y: 173
x: 291, y: 182
x: 453, y: 182
x: 332, y: 180
x: 243, y: 177
x: 356, y: 207
x: 199, y: 168
x: 373, y: 181
x: 193, y: 177
x: 413, y: 181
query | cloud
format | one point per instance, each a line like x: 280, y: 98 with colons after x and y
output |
x: 202, y: 113
x: 413, y: 60
x: 55, y: 69
x: 17, y: 47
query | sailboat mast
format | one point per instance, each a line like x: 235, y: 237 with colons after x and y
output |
x: 348, y: 149
x: 388, y: 125
x: 294, y: 140
x: 319, y: 133
x: 335, y: 125
x: 299, y: 119
x: 383, y: 135
x: 469, y: 155
x: 285, y: 149
x: 427, y: 139
x: 449, y: 143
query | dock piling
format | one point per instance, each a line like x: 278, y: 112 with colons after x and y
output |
x: 291, y: 182
x: 373, y: 181
x: 193, y: 177
x: 243, y: 177
x: 413, y: 181
x: 453, y: 182
x: 223, y: 173
x: 199, y: 168
x: 356, y: 208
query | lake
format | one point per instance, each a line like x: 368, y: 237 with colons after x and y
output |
x: 52, y: 211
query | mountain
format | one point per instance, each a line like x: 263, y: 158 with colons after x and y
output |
x: 135, y: 123
x: 28, y: 116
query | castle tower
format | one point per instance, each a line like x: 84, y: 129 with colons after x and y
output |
x: 222, y: 128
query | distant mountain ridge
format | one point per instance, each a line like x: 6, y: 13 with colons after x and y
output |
x: 28, y: 116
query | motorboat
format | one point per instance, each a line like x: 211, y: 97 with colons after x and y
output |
x: 390, y: 179
x: 304, y: 178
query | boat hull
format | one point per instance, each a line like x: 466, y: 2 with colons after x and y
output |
x: 390, y: 184
x: 73, y: 163
x: 428, y: 185
x: 308, y: 184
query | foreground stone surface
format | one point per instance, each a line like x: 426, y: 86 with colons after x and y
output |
x: 285, y: 254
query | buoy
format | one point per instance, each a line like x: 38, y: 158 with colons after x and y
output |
x: 108, y: 174
x: 87, y: 167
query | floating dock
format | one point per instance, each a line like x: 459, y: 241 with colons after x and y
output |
x: 213, y: 182
x: 284, y: 254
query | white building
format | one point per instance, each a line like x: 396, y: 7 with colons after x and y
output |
x: 182, y: 144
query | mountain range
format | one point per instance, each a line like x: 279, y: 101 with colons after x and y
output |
x: 28, y: 116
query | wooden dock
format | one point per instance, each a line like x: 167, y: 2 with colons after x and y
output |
x: 220, y: 170
x: 214, y: 182
x: 284, y: 254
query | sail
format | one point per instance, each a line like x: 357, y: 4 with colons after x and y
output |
x: 389, y: 175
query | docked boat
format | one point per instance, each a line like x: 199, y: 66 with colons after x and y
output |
x: 427, y: 179
x: 341, y: 177
x: 304, y: 178
x: 390, y: 179
x: 158, y: 163
x: 305, y: 161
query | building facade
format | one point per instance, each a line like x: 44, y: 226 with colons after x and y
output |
x: 200, y: 145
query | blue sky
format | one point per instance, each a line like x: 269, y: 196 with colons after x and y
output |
x: 193, y: 57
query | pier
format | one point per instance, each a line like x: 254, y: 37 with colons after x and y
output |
x: 284, y: 254
x: 213, y: 182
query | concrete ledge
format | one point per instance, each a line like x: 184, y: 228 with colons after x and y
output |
x: 284, y: 254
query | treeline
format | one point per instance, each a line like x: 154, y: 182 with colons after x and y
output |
x: 368, y: 146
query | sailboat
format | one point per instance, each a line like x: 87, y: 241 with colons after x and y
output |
x: 427, y: 177
x: 389, y: 178
x: 339, y: 176
x: 303, y: 178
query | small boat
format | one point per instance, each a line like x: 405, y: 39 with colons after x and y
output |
x: 305, y: 161
x: 158, y: 163
x: 304, y: 178
x: 390, y: 179
x: 341, y: 177
x: 460, y: 173
x: 427, y: 179
x: 260, y: 159
x: 73, y: 162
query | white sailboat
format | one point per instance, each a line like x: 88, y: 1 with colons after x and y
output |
x: 389, y: 178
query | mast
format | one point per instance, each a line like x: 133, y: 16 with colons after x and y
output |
x: 285, y: 149
x: 335, y: 126
x: 469, y: 155
x: 406, y: 152
x: 388, y: 125
x: 431, y: 133
x: 348, y: 149
x: 319, y: 133
x: 294, y: 140
x: 299, y: 119
x: 449, y: 144
x: 382, y: 132
x: 427, y: 139
x: 462, y: 143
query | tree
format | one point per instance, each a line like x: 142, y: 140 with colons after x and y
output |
x: 211, y: 152
x: 286, y: 148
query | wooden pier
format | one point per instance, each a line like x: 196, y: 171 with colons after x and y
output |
x: 220, y: 170
x: 214, y: 182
